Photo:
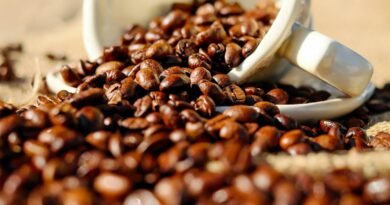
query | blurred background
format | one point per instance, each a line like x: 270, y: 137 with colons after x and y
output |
x: 55, y: 26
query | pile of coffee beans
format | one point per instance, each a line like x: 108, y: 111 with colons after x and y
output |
x: 142, y: 126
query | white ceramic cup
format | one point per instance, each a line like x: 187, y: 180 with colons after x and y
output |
x: 325, y: 58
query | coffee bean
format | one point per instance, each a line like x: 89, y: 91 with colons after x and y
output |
x: 77, y: 196
x: 185, y: 48
x: 266, y: 139
x: 299, y: 149
x: 326, y: 125
x: 235, y: 94
x: 291, y: 138
x: 170, y: 116
x: 199, y: 60
x: 356, y: 137
x: 377, y: 190
x: 59, y: 138
x: 265, y: 178
x: 9, y: 124
x: 35, y: 148
x: 222, y: 80
x: 285, y: 192
x: 233, y: 130
x: 328, y: 142
x: 212, y: 90
x: 286, y: 122
x: 351, y: 199
x: 242, y: 113
x: 109, y: 66
x: 343, y: 181
x: 147, y: 79
x: 112, y: 186
x: 215, y: 124
x: 174, y: 81
x: 70, y: 76
x: 277, y: 96
x: 134, y: 34
x: 233, y: 56
x: 90, y: 119
x: 249, y: 47
x: 231, y: 9
x: 92, y: 96
x: 159, y: 50
x: 215, y: 34
x: 134, y: 123
x: 141, y: 197
x: 319, y: 96
x: 173, y: 20
x: 198, y: 183
x: 171, y: 190
x: 216, y: 51
x: 199, y: 74
x: 168, y: 160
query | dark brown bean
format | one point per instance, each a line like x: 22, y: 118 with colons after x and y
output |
x: 59, y: 138
x: 216, y: 51
x: 173, y: 20
x: 205, y: 105
x: 235, y: 94
x: 9, y: 124
x: 222, y: 80
x: 92, y: 96
x: 90, y: 119
x: 299, y: 149
x: 215, y: 34
x: 134, y: 123
x: 141, y: 196
x: 249, y: 47
x: 112, y: 186
x: 266, y: 139
x: 343, y: 181
x: 70, y: 76
x: 356, y: 137
x: 109, y: 66
x: 377, y: 190
x: 242, y: 113
x: 328, y: 142
x: 291, y: 138
x: 147, y: 79
x: 265, y: 178
x: 231, y: 9
x: 234, y: 130
x: 199, y: 74
x: 77, y: 196
x: 185, y: 48
x: 199, y: 60
x: 351, y: 199
x: 285, y: 192
x: 174, y: 81
x: 286, y: 122
x: 170, y: 190
x: 159, y: 50
x: 233, y: 56
x: 277, y: 96
x: 212, y: 90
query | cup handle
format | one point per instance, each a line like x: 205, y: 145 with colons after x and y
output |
x: 327, y: 59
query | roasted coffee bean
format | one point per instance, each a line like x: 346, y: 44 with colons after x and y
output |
x: 266, y: 139
x: 138, y: 56
x: 159, y: 50
x: 112, y: 186
x: 90, y: 119
x: 351, y: 199
x: 215, y: 34
x: 60, y: 138
x: 155, y: 144
x: 35, y: 148
x: 194, y: 129
x: 328, y: 142
x: 234, y: 130
x: 6, y: 109
x: 9, y: 124
x: 205, y: 105
x: 254, y: 91
x: 277, y: 96
x: 285, y: 192
x: 173, y: 20
x: 212, y: 90
x: 98, y: 139
x: 142, y: 106
x: 356, y: 138
x: 249, y: 47
x: 23, y: 177
x: 231, y: 9
x: 222, y: 80
x: 291, y: 138
x: 286, y: 122
x: 326, y: 125
x: 299, y: 149
x: 128, y: 88
x: 170, y: 116
x: 242, y: 113
x: 115, y: 145
x: 134, y: 123
x: 252, y: 99
x: 199, y: 60
x: 134, y: 34
x: 185, y: 48
x: 171, y: 190
x: 92, y: 96
x: 174, y: 81
x: 377, y: 190
x: 168, y: 160
x: 147, y: 79
x: 114, y: 76
x: 198, y: 183
x: 36, y: 118
x: 199, y: 74
x: 265, y: 178
x: 235, y: 94
x: 319, y: 96
x: 77, y: 196
x: 141, y: 197
x: 109, y: 66
x: 233, y: 56
x: 381, y: 141
x: 343, y: 181
x: 172, y: 71
x: 190, y: 115
x: 70, y: 76
x: 215, y: 124
x: 216, y: 51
